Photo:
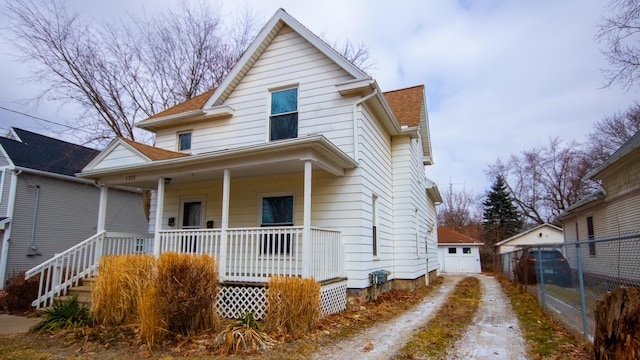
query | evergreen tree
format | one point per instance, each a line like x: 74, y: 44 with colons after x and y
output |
x: 500, y: 219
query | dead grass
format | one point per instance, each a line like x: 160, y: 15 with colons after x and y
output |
x: 545, y: 337
x: 294, y: 306
x: 122, y: 282
x: 448, y: 325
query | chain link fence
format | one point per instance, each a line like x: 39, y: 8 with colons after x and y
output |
x: 570, y: 278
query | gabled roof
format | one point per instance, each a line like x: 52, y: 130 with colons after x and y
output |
x: 626, y: 148
x: 134, y: 152
x: 447, y: 235
x: 154, y: 153
x: 39, y: 152
x: 519, y: 235
x: 271, y: 29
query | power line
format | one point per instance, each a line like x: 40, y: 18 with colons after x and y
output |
x: 45, y: 120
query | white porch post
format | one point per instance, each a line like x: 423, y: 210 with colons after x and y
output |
x: 222, y: 262
x: 306, y: 232
x: 159, y: 211
x: 102, y: 220
x: 102, y: 209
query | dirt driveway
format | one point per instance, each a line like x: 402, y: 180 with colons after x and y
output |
x: 494, y: 333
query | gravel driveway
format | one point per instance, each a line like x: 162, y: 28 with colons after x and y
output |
x: 494, y: 333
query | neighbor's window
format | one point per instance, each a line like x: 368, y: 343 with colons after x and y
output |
x: 452, y: 250
x: 184, y: 141
x: 374, y: 223
x: 591, y: 233
x: 466, y: 250
x: 283, y: 122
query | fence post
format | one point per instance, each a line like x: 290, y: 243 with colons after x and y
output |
x: 541, y: 278
x: 582, y: 300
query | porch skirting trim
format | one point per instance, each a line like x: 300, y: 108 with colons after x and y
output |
x: 234, y: 300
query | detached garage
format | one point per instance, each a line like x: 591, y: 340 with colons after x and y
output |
x: 458, y: 253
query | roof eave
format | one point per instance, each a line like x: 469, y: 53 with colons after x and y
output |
x: 192, y: 115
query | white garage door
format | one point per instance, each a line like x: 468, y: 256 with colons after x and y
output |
x: 460, y: 259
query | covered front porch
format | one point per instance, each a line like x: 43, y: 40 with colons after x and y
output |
x: 241, y: 207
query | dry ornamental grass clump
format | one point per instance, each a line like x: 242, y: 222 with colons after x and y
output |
x: 186, y: 288
x: 119, y: 287
x: 174, y: 294
x: 294, y: 305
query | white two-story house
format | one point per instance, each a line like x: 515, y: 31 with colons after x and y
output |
x: 297, y: 164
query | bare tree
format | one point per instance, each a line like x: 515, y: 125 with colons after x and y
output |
x: 459, y: 209
x: 620, y: 34
x: 357, y: 54
x: 611, y: 132
x: 547, y: 179
x: 121, y: 74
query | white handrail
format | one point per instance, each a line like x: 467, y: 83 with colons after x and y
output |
x: 65, y: 270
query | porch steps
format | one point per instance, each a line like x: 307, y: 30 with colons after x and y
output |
x: 82, y: 292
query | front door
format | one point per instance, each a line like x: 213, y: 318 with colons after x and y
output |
x: 192, y: 218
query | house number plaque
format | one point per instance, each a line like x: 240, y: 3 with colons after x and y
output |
x: 130, y: 177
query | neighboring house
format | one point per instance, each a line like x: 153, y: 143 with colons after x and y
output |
x: 541, y: 234
x: 297, y: 164
x: 609, y: 214
x: 458, y: 253
x: 44, y: 208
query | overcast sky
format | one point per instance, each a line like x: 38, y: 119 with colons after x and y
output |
x: 501, y: 76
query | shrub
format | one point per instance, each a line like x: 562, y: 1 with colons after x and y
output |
x: 122, y: 281
x: 244, y: 335
x: 64, y: 314
x: 186, y: 287
x: 19, y: 293
x: 294, y: 305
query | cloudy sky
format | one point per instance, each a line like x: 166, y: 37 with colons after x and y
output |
x: 501, y: 76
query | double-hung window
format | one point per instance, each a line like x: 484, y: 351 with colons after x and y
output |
x: 283, y: 122
x: 184, y: 141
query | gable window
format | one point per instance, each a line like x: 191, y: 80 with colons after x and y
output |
x: 283, y: 122
x: 184, y: 141
x: 277, y: 211
x: 591, y: 233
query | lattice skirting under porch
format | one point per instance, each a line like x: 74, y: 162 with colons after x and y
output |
x: 234, y: 300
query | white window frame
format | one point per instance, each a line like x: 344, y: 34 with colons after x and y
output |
x: 178, y: 143
x: 269, y: 94
x: 261, y: 196
x: 189, y: 199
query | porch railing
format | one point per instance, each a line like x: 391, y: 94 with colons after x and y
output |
x: 255, y: 254
x: 252, y: 255
x: 66, y: 269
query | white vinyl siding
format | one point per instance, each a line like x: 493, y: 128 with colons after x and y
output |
x: 410, y: 196
x: 120, y: 156
x: 288, y: 60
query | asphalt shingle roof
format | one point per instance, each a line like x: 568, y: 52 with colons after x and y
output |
x: 447, y: 235
x: 39, y: 152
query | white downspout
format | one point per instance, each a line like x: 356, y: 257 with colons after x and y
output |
x: 356, y: 146
x: 7, y: 232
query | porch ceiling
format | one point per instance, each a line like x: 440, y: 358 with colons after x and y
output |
x: 282, y: 157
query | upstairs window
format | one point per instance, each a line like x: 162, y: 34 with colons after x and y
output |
x: 283, y: 122
x: 184, y: 141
